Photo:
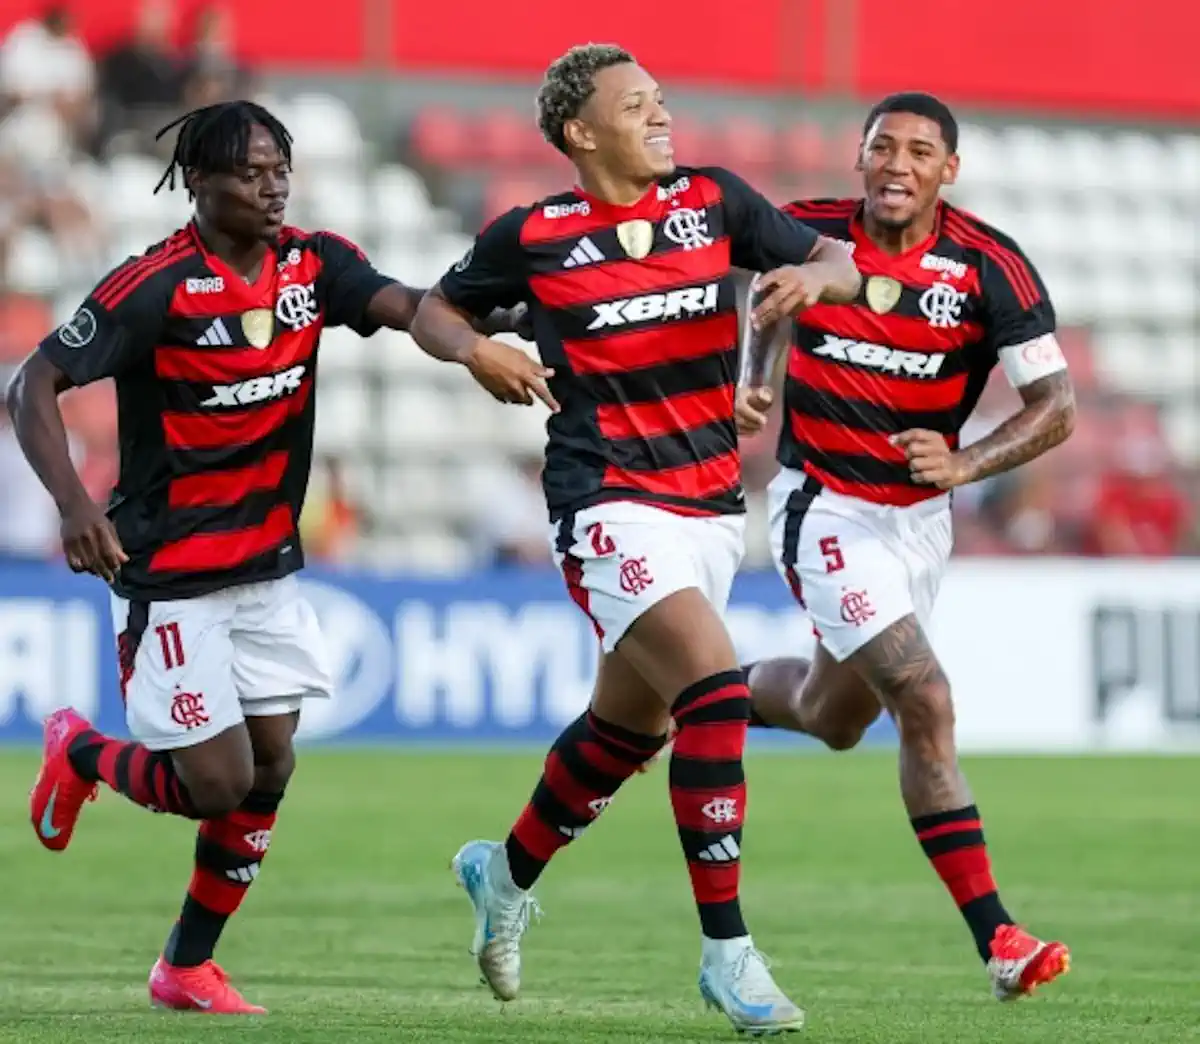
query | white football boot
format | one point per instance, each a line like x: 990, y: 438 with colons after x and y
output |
x: 734, y: 978
x: 502, y: 912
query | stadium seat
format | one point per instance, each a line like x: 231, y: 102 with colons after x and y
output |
x: 326, y: 131
x: 803, y: 148
x: 507, y: 138
x: 344, y: 413
x: 33, y: 263
x: 441, y: 136
x: 746, y: 145
x: 400, y: 202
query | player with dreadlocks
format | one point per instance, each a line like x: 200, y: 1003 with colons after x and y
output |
x: 211, y: 336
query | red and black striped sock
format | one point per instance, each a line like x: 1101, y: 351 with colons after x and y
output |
x: 708, y: 795
x: 229, y: 853
x: 147, y: 777
x: 584, y: 769
x: 953, y: 842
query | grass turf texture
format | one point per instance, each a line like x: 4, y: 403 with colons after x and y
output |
x: 356, y: 932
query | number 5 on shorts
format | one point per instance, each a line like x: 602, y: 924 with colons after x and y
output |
x: 834, y: 560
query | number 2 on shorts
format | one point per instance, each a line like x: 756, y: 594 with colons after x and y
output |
x: 602, y: 543
x: 172, y: 644
x: 834, y: 560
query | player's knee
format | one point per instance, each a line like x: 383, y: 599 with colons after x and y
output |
x: 273, y: 769
x: 217, y: 793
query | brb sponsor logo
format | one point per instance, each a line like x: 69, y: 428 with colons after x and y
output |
x: 686, y: 301
x: 257, y: 389
x: 880, y: 357
x: 208, y: 285
x: 553, y: 211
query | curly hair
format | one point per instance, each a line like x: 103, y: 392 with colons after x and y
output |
x: 569, y: 83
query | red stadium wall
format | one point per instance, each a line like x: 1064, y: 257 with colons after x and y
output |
x: 1119, y: 56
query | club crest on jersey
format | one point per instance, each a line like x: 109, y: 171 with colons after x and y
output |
x: 688, y: 228
x: 942, y: 305
x: 636, y: 238
x: 883, y: 294
x: 297, y: 306
x: 259, y: 326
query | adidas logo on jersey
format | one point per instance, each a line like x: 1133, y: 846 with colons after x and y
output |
x: 723, y: 851
x: 689, y: 300
x: 584, y: 253
x: 880, y: 357
x: 257, y: 389
x: 216, y: 334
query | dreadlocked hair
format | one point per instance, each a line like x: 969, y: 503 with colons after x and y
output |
x: 215, y: 139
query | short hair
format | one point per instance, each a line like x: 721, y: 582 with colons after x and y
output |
x: 918, y: 103
x: 216, y: 139
x: 569, y: 83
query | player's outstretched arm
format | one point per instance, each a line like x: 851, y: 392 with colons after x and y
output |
x: 506, y: 373
x: 395, y: 307
x: 89, y: 539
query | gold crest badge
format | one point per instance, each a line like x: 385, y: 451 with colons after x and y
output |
x: 636, y: 238
x: 259, y: 326
x: 883, y: 294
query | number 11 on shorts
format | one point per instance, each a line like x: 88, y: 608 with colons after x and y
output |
x: 172, y: 644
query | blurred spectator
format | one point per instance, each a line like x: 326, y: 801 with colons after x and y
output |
x: 510, y: 524
x: 44, y: 66
x: 1139, y: 510
x: 143, y: 77
x: 329, y: 524
x: 213, y: 73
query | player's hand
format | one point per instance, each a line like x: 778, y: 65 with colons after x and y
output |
x: 931, y: 461
x: 786, y: 291
x: 751, y: 408
x: 509, y: 374
x: 91, y: 543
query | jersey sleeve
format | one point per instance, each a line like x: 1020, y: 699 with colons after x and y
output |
x: 116, y: 327
x: 347, y: 284
x: 762, y: 236
x: 492, y: 273
x: 1017, y: 307
x: 1019, y: 317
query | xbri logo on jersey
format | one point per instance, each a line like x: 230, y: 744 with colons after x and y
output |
x: 688, y: 228
x: 689, y: 300
x: 942, y: 305
x: 297, y: 306
x: 879, y: 357
x: 257, y: 389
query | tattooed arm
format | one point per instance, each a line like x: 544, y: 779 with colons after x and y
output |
x: 1046, y: 419
x: 1037, y: 369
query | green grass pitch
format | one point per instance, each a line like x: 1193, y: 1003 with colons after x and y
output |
x: 355, y: 933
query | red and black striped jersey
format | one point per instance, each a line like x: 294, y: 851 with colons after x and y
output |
x: 214, y: 378
x: 914, y: 351
x: 635, y: 309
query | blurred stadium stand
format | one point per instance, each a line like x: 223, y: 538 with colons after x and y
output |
x: 413, y: 457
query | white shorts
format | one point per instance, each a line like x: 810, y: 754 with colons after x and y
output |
x: 857, y: 567
x: 621, y: 558
x: 193, y: 667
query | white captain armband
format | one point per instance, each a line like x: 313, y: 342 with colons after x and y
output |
x: 1032, y: 360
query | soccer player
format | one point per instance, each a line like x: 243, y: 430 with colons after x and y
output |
x: 634, y: 312
x: 212, y: 338
x: 875, y: 395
